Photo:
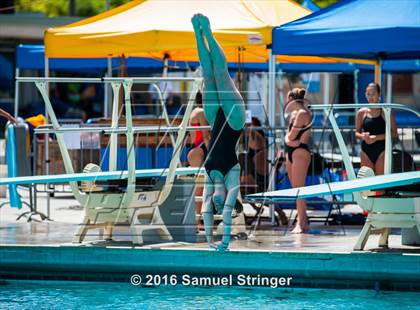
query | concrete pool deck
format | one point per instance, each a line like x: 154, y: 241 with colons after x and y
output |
x: 32, y: 250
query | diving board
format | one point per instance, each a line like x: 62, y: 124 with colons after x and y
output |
x: 344, y: 187
x: 384, y: 212
x: 98, y: 176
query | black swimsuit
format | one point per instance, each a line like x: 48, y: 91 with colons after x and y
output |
x: 290, y: 149
x: 260, y: 179
x: 375, y: 126
x: 252, y: 152
x: 204, y: 148
x: 221, y: 152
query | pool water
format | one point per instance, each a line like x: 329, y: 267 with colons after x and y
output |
x: 87, y: 295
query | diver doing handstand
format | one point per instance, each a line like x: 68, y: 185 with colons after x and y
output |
x: 224, y: 110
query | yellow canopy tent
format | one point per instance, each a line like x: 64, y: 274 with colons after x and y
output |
x: 152, y: 28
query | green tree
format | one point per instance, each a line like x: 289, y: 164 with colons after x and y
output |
x: 48, y: 7
x: 53, y: 8
x: 324, y: 3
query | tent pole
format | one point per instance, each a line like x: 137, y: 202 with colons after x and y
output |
x: 356, y: 86
x: 46, y: 136
x: 387, y: 112
x: 113, y: 144
x: 272, y: 120
x: 326, y: 88
x: 271, y: 101
x: 378, y: 72
x: 281, y: 100
x: 16, y: 112
x: 389, y: 88
x: 107, y: 88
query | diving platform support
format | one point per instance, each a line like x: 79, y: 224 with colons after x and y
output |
x: 138, y: 209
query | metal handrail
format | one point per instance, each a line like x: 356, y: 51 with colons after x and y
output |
x: 342, y: 106
x: 105, y: 79
x: 148, y: 129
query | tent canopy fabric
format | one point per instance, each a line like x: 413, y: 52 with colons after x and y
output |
x: 411, y: 65
x: 311, y: 6
x: 154, y: 28
x: 6, y: 73
x: 388, y: 66
x: 355, y: 29
x: 32, y: 57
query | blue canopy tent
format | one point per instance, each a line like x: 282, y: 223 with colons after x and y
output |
x: 388, y: 66
x: 379, y: 30
x: 354, y: 29
x: 358, y: 29
x: 385, y: 31
x: 6, y: 72
x: 412, y: 65
x: 363, y: 74
x: 32, y: 57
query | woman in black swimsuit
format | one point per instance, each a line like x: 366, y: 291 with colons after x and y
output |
x: 254, y: 162
x: 370, y: 128
x: 224, y: 109
x: 298, y: 155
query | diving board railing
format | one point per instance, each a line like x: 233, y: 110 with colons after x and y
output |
x: 110, y: 130
x: 116, y: 84
x: 153, y: 149
x: 164, y: 111
x: 126, y: 83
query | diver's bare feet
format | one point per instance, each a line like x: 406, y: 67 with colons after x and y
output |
x: 204, y: 22
x: 219, y: 246
x: 195, y: 20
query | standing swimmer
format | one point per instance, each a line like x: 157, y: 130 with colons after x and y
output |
x: 224, y: 109
x: 298, y: 154
x: 370, y: 128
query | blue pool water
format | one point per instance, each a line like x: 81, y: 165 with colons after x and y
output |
x: 95, y: 295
